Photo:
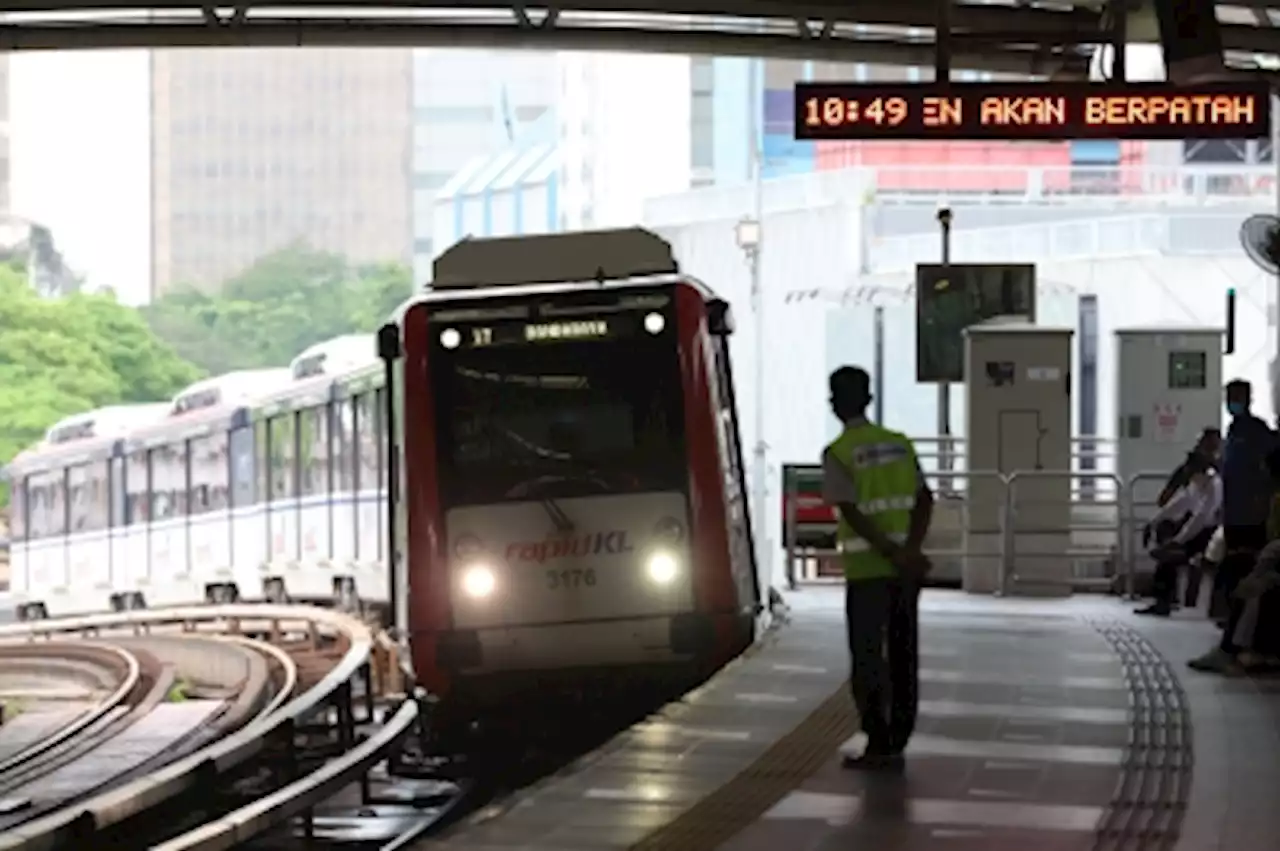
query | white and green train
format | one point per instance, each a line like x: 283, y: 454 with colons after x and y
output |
x: 265, y: 484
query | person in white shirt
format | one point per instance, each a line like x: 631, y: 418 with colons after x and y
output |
x: 1200, y: 502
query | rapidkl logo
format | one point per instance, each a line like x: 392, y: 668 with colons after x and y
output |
x: 578, y: 546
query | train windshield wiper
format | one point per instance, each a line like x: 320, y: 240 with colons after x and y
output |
x: 562, y: 521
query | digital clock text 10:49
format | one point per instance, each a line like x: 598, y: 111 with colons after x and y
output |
x: 841, y: 112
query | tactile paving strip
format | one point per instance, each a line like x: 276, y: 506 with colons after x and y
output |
x: 1150, y: 799
x: 750, y: 794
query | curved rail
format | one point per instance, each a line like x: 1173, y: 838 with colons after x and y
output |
x: 287, y: 802
x: 128, y: 684
x: 79, y: 823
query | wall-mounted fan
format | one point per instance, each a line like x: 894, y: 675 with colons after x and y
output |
x: 1260, y: 236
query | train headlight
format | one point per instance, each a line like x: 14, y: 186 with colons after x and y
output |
x: 662, y: 567
x: 654, y: 323
x: 450, y: 338
x: 478, y: 581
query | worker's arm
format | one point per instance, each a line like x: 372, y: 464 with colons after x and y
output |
x: 839, y: 488
x: 921, y: 512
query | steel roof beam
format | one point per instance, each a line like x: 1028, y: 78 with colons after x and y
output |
x: 319, y: 33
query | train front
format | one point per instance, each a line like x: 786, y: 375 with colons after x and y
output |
x: 553, y: 499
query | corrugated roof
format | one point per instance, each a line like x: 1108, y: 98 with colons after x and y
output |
x: 525, y: 163
x: 545, y: 169
x: 461, y: 178
x: 484, y: 178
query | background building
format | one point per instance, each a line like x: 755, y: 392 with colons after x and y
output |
x: 468, y: 105
x: 253, y: 149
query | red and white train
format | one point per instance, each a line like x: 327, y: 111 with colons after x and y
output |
x: 571, y: 493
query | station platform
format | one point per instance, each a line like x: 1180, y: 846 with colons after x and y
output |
x: 1055, y: 725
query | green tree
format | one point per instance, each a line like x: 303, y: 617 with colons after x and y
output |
x: 285, y: 302
x: 63, y: 356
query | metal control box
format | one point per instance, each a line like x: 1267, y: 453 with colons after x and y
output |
x: 1169, y: 388
x: 1018, y: 386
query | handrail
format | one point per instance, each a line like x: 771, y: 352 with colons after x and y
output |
x: 1124, y: 503
x: 256, y: 818
x: 79, y: 823
x: 133, y: 675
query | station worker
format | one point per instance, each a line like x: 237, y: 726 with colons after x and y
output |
x: 872, y: 476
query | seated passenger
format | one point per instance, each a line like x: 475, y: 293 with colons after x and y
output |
x: 1205, y: 452
x: 1200, y: 502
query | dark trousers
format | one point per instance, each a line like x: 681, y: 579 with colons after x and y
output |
x: 883, y: 622
x: 1243, y: 544
x: 1164, y: 585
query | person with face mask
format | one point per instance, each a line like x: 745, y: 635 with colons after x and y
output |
x: 1246, y: 508
x: 884, y: 506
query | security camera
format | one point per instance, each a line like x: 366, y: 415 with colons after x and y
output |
x: 944, y: 216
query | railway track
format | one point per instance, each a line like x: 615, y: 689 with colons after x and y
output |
x: 307, y: 743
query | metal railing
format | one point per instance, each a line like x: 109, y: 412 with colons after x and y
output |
x: 1087, y: 521
x: 1176, y: 184
x: 1098, y: 540
x: 1190, y: 232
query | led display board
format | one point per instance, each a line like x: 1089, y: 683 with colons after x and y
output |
x: 1033, y: 111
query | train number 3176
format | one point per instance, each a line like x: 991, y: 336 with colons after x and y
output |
x: 575, y: 578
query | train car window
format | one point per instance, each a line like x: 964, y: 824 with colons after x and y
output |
x: 87, y: 497
x: 57, y: 503
x: 198, y: 487
x: 261, y: 460
x: 370, y: 425
x: 344, y: 443
x: 242, y: 466
x: 138, y: 485
x: 314, y: 445
x: 37, y: 506
x: 118, y: 493
x: 169, y: 481
x: 209, y: 473
x: 557, y: 421
x: 283, y: 460
x: 380, y: 442
x: 18, y: 510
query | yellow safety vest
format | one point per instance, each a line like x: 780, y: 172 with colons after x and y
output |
x: 883, y: 465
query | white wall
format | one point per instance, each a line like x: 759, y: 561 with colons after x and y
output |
x: 625, y: 134
x: 814, y: 244
x: 80, y: 147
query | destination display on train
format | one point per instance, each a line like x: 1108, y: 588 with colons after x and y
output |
x: 1032, y: 111
x: 539, y: 332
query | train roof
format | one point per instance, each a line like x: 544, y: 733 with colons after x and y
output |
x: 597, y: 256
x: 525, y: 266
x: 111, y: 421
x: 335, y: 357
x: 86, y: 436
x: 232, y: 389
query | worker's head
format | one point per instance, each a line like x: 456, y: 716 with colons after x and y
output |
x: 850, y: 392
x: 1239, y: 397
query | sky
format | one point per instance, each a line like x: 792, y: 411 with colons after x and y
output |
x: 80, y: 160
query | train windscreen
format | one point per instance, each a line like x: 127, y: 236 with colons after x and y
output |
x: 543, y: 408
